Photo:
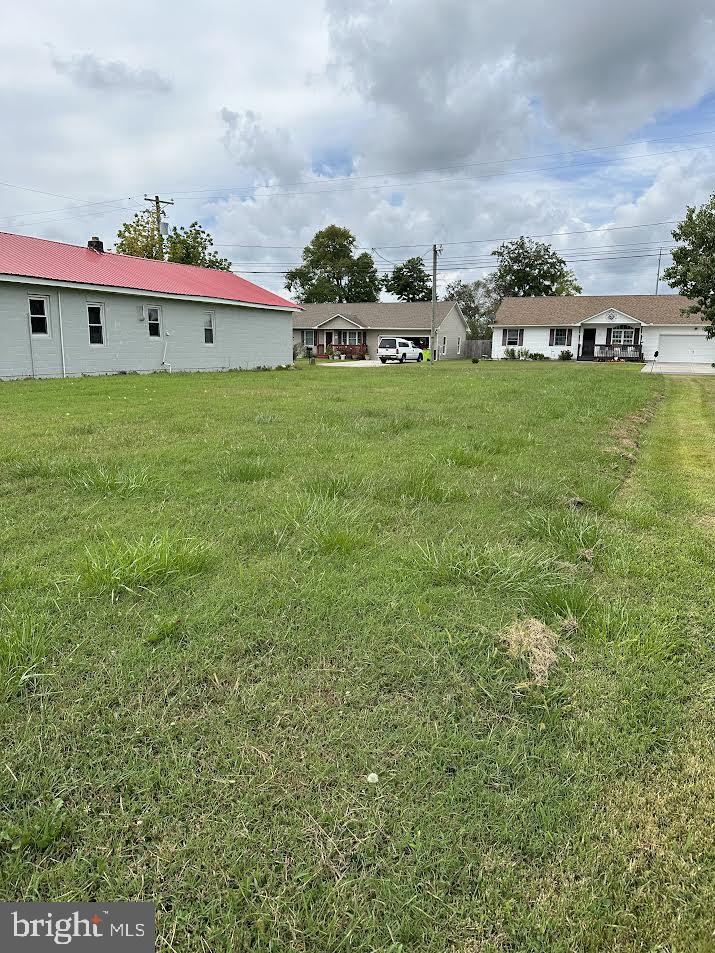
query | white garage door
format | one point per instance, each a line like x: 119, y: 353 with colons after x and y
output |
x: 692, y: 348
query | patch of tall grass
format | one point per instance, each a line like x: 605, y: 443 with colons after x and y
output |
x: 119, y: 566
x: 24, y: 639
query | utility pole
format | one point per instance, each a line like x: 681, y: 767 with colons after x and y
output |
x: 158, y: 203
x: 657, y: 280
x: 436, y: 250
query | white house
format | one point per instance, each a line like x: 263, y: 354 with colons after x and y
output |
x: 67, y: 310
x: 602, y: 327
x: 359, y: 327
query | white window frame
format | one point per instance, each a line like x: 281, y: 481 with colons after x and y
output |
x: 622, y: 332
x: 352, y: 337
x: 309, y: 337
x: 45, y: 299
x: 102, y: 324
x: 210, y: 325
x: 459, y: 345
x: 557, y: 333
x: 444, y: 346
x: 159, y: 311
x: 515, y: 342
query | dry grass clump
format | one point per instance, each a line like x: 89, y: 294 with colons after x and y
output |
x: 532, y: 639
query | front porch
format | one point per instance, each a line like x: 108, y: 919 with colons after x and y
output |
x: 610, y: 336
x: 615, y: 352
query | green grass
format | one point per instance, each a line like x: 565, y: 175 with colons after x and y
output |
x: 227, y: 599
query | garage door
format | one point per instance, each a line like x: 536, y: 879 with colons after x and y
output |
x: 692, y: 348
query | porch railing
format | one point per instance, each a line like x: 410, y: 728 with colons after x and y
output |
x: 624, y: 352
x: 351, y: 351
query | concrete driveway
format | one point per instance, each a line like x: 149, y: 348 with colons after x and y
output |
x: 687, y: 369
x: 358, y: 363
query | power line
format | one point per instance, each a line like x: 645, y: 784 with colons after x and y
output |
x: 280, y: 191
x: 467, y: 165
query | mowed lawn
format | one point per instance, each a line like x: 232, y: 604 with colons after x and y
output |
x: 226, y: 600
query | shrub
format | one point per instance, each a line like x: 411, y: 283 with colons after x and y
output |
x: 523, y: 354
x: 565, y: 355
x: 510, y: 354
x: 475, y: 360
x: 537, y: 356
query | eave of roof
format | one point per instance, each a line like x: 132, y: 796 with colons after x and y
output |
x: 570, y: 311
x: 26, y: 259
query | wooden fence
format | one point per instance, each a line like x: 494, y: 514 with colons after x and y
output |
x: 481, y: 348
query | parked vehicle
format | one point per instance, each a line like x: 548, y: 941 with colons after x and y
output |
x: 398, y: 349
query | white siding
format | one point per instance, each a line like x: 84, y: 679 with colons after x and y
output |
x: 652, y: 336
x: 535, y: 339
x: 244, y: 337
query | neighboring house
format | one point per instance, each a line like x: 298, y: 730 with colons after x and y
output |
x: 67, y: 310
x: 322, y: 326
x: 603, y: 327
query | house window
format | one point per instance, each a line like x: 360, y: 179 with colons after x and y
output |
x: 459, y: 345
x: 153, y: 316
x: 352, y: 337
x: 309, y: 338
x: 622, y: 336
x: 512, y: 337
x: 444, y: 346
x: 560, y: 337
x: 95, y: 321
x: 39, y: 313
x: 209, y: 327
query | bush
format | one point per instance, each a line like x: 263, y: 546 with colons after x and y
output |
x: 537, y: 356
x: 475, y: 360
x: 565, y: 355
x: 523, y: 354
x: 510, y: 354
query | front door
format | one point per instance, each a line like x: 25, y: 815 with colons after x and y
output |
x: 588, y: 343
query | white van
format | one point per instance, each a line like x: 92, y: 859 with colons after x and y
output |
x: 398, y: 349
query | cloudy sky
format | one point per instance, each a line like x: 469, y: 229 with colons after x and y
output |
x: 408, y: 121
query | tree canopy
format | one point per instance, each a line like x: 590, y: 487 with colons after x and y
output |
x: 331, y: 271
x: 693, y: 268
x: 477, y: 302
x: 410, y: 281
x: 528, y: 268
x: 187, y: 246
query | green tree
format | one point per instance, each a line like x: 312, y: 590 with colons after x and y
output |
x: 192, y: 246
x: 332, y: 272
x: 187, y: 246
x: 140, y: 237
x: 478, y: 305
x: 528, y: 268
x: 410, y: 281
x: 693, y: 268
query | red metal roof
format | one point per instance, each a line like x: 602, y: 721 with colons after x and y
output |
x: 39, y: 258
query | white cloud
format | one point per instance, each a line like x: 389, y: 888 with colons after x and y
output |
x: 92, y: 73
x: 212, y: 99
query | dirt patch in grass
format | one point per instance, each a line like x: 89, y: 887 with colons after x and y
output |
x: 536, y: 642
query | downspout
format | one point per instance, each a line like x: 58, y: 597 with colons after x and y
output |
x: 29, y: 338
x: 62, y: 337
x: 166, y: 344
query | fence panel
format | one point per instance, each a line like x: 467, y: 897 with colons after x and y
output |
x: 480, y: 348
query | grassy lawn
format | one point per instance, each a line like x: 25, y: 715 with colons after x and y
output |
x: 226, y: 600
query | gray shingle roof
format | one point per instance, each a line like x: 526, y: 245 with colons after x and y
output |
x: 382, y: 315
x: 571, y: 309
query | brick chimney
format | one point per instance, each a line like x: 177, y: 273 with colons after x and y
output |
x: 96, y: 244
